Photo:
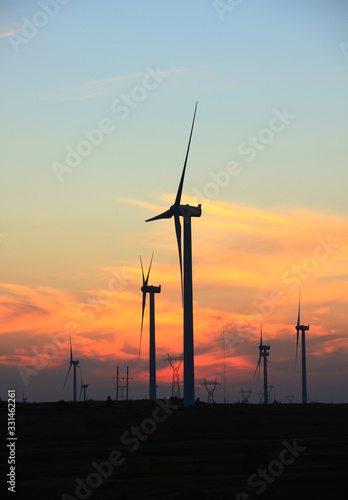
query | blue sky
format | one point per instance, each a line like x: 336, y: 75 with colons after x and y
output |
x: 260, y: 56
x: 245, y: 67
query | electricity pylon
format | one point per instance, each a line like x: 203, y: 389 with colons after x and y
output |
x: 210, y: 391
x: 175, y: 363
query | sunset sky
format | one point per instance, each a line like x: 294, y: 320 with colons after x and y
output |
x: 97, y: 101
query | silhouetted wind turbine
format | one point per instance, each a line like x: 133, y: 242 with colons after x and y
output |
x: 263, y: 354
x: 302, y: 329
x: 73, y: 363
x: 152, y: 355
x: 83, y: 388
x: 186, y: 212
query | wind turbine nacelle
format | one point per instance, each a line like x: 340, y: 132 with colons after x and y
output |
x: 188, y: 211
x: 302, y: 328
x: 151, y: 289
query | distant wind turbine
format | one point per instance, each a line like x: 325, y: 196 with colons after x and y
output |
x: 83, y: 388
x: 263, y: 354
x: 302, y: 329
x: 186, y: 212
x: 146, y: 288
x: 73, y: 363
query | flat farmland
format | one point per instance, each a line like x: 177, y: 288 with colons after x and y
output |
x: 161, y: 450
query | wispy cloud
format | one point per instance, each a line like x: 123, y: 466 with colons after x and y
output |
x: 110, y: 85
x: 9, y: 33
x: 142, y: 204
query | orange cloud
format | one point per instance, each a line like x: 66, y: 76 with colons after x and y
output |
x: 248, y: 265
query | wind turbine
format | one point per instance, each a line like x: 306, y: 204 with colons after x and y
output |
x: 83, y: 388
x: 73, y: 363
x: 152, y: 356
x: 263, y: 354
x: 186, y: 212
x: 302, y: 329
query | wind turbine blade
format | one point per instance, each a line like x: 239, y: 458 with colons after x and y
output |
x: 142, y: 323
x: 178, y: 196
x: 70, y: 349
x: 148, y: 273
x: 165, y: 215
x: 257, y: 366
x: 67, y: 375
x: 178, y: 239
x: 80, y: 392
x: 298, y: 324
x: 260, y: 333
x: 299, y: 307
x: 142, y: 270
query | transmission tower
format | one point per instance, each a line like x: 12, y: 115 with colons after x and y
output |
x: 290, y: 397
x: 260, y: 396
x: 175, y: 363
x: 211, y: 390
x: 122, y: 388
x: 245, y: 395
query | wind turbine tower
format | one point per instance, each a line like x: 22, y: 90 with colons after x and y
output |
x: 83, y: 389
x: 175, y: 363
x: 263, y: 354
x: 224, y: 356
x: 73, y: 363
x: 303, y: 329
x: 187, y: 212
x: 151, y: 290
x: 211, y: 389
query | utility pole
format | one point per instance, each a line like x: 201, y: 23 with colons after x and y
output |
x: 122, y: 387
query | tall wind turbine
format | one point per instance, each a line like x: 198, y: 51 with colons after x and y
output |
x: 83, y: 388
x: 186, y: 212
x: 302, y: 329
x: 73, y: 363
x: 146, y: 288
x: 263, y: 354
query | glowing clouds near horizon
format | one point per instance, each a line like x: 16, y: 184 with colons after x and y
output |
x: 248, y: 263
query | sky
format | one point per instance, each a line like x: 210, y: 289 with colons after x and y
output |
x: 97, y: 102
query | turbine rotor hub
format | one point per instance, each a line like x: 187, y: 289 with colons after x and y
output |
x: 189, y: 211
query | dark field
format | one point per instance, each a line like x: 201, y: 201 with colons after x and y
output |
x: 206, y: 452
